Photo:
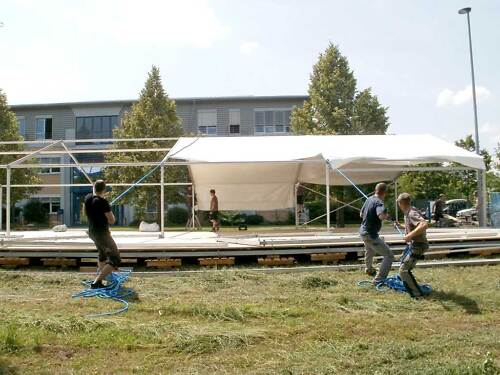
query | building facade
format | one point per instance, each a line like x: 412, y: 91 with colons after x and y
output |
x: 218, y: 116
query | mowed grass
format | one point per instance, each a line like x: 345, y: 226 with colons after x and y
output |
x: 241, y: 322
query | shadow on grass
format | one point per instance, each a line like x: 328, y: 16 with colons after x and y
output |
x: 469, y: 305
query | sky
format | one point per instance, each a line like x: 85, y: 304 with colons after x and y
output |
x: 413, y: 54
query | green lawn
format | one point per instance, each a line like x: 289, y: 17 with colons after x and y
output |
x: 228, y: 322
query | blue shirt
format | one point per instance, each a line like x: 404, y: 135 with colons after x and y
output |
x: 371, y: 223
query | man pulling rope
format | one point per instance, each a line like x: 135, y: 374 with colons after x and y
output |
x: 100, y: 217
x: 372, y: 214
x: 415, y: 235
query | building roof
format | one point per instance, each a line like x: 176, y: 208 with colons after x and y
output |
x: 178, y: 100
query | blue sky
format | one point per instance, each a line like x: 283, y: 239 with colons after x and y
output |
x: 414, y: 54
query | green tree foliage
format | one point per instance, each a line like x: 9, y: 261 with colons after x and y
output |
x: 460, y: 184
x: 335, y: 106
x: 34, y: 212
x: 152, y: 116
x: 368, y: 116
x: 9, y: 131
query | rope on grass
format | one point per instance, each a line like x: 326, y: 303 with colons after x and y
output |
x: 394, y: 283
x: 114, y: 290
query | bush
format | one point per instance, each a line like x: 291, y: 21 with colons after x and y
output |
x: 177, y: 215
x: 254, y: 219
x: 34, y: 212
x: 231, y: 218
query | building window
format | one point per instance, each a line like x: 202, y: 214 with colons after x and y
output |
x: 234, y: 121
x: 272, y: 121
x: 207, y: 121
x: 21, y: 122
x: 44, y: 128
x: 51, y: 204
x: 49, y: 170
x: 95, y: 127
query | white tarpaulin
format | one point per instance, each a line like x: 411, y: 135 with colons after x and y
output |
x: 260, y: 172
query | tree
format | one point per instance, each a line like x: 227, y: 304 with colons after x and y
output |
x: 152, y: 116
x: 9, y: 129
x: 459, y: 184
x: 335, y: 106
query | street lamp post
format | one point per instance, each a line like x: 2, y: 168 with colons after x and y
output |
x: 481, y: 186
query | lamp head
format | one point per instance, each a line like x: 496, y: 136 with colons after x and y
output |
x: 464, y: 10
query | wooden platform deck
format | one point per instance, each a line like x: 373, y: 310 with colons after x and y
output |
x: 74, y: 248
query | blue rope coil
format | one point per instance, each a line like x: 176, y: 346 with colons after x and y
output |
x: 114, y: 290
x: 394, y: 283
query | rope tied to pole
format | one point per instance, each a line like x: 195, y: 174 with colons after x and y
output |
x: 114, y: 290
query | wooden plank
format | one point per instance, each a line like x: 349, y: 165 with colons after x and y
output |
x: 276, y: 260
x: 328, y: 257
x: 63, y: 262
x: 222, y: 261
x: 14, y: 261
x: 94, y: 261
x: 164, y: 263
x: 88, y: 269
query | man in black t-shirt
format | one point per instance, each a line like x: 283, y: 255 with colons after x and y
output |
x: 99, y: 215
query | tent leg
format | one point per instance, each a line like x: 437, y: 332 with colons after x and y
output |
x: 162, y: 202
x: 483, y: 220
x: 295, y: 206
x: 327, y: 184
x: 7, y: 203
x: 396, y: 213
x: 192, y: 207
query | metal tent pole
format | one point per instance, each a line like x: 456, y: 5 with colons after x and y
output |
x: 30, y: 155
x: 162, y: 201
x: 327, y: 183
x: 192, y: 207
x: 7, y: 208
x: 295, y: 205
x: 77, y: 163
x: 396, y: 199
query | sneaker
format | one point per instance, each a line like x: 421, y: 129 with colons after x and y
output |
x: 371, y: 272
x: 97, y: 285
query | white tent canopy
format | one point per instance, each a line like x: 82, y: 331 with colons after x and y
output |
x: 260, y: 173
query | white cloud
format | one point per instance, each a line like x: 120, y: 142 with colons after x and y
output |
x: 489, y: 135
x: 146, y: 22
x: 247, y: 48
x: 449, y: 97
x: 58, y: 50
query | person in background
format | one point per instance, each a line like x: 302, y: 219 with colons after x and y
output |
x: 372, y: 214
x: 415, y: 227
x: 100, y: 217
x: 437, y: 209
x: 214, y: 211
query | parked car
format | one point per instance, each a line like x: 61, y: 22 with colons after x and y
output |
x: 453, y: 206
x: 468, y: 215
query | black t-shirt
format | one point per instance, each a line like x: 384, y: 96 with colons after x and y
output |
x: 95, y: 209
x: 371, y: 223
x: 438, y: 207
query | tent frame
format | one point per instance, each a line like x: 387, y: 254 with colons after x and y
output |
x: 162, y: 164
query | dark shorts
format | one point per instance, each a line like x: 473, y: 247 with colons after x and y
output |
x: 300, y: 199
x: 106, y: 247
x: 214, y: 215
